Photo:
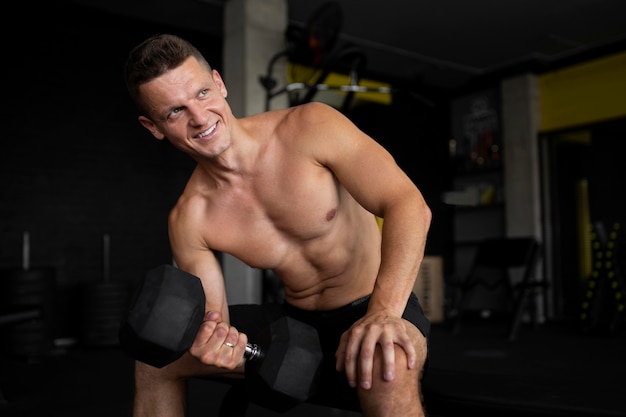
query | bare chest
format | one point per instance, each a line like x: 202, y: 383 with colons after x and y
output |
x: 277, y: 217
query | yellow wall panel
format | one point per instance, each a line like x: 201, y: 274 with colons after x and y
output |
x: 585, y: 93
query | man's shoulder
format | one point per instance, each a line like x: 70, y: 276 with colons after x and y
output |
x: 313, y: 108
x: 188, y: 205
x: 193, y: 213
x: 195, y: 196
x: 310, y: 109
x: 302, y: 115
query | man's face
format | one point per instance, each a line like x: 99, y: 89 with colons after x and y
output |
x: 187, y: 105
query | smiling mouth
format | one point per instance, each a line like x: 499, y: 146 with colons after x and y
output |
x: 207, y: 132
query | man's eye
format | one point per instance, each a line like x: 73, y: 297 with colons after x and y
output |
x: 204, y: 92
x: 173, y: 114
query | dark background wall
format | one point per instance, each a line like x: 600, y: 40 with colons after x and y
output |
x: 417, y: 136
x: 75, y: 164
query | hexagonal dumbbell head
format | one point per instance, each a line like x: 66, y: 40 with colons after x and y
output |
x: 164, y: 316
x: 291, y: 360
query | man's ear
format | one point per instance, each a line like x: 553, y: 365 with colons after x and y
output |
x: 148, y: 124
x: 220, y: 83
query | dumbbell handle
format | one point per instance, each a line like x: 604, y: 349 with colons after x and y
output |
x: 253, y: 352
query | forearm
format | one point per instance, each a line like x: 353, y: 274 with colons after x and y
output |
x: 404, y: 235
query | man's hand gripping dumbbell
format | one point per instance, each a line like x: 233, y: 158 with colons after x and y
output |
x: 167, y: 311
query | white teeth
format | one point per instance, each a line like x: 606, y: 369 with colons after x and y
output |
x: 208, y: 131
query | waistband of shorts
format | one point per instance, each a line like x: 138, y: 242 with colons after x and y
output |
x: 290, y: 308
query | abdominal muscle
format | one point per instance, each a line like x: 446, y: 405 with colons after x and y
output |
x: 334, y: 269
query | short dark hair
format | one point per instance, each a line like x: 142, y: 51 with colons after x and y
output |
x: 152, y: 58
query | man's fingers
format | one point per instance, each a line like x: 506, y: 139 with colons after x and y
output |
x: 389, y: 360
x: 212, y: 315
x: 409, y: 350
x: 205, y: 331
x: 340, y: 354
x: 347, y: 356
x: 211, y: 335
x: 235, y: 343
x: 357, y: 351
x: 231, y: 340
x: 366, y: 359
x: 219, y: 344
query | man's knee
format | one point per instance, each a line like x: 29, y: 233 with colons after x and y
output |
x: 404, y: 376
x: 399, y: 396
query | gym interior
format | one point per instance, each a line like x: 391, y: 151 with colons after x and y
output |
x: 86, y: 193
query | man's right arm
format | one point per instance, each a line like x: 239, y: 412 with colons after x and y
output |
x: 215, y: 337
x: 192, y: 254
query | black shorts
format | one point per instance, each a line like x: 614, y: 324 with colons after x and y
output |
x: 333, y: 390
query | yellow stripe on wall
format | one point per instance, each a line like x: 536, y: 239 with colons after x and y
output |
x: 336, y: 79
x: 585, y: 93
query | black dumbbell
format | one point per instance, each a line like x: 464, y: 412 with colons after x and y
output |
x: 167, y: 310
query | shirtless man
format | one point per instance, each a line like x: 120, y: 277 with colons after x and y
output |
x: 294, y: 191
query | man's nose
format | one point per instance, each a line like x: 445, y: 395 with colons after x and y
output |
x: 198, y: 115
